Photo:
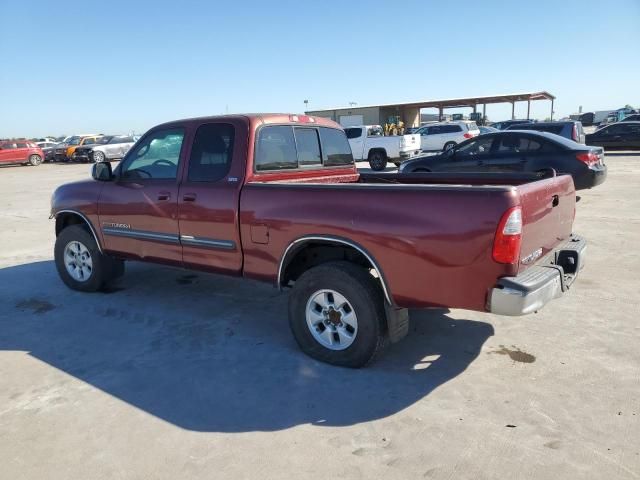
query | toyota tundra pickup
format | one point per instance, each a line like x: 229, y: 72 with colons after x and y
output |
x: 277, y: 197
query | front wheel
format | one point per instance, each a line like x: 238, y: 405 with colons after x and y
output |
x: 377, y: 161
x: 35, y: 160
x: 79, y: 262
x: 336, y: 314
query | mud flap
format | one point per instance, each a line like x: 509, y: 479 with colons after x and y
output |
x: 397, y: 322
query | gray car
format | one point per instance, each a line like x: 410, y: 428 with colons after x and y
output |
x: 571, y: 129
x: 107, y: 148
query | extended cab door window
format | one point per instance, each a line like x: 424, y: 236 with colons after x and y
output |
x: 335, y: 148
x: 156, y: 157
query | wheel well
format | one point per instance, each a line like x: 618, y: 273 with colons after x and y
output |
x: 67, y: 219
x: 312, y: 253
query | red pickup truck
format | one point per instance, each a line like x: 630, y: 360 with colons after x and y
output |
x: 277, y: 197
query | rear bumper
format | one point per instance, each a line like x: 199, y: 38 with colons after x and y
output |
x: 540, y: 283
x: 592, y: 177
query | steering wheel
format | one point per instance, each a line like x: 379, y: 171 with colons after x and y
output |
x: 162, y: 161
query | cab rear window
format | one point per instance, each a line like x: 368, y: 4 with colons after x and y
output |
x: 285, y: 147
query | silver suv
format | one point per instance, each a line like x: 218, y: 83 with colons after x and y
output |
x: 106, y: 148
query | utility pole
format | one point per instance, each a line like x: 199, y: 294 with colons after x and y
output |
x: 306, y: 105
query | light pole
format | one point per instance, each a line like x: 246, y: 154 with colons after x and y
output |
x: 306, y: 105
x: 351, y: 104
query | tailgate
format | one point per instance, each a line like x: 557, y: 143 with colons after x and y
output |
x: 409, y: 143
x: 548, y: 209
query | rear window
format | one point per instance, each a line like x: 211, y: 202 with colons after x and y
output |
x: 335, y: 147
x: 472, y: 126
x: 353, y: 132
x: 281, y: 147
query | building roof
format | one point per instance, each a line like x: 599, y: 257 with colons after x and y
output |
x: 456, y: 102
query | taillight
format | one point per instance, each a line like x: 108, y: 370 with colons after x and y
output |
x: 574, y: 133
x: 506, y: 244
x: 589, y: 158
x: 468, y: 135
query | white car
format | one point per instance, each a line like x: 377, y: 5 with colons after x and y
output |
x: 446, y: 135
x: 369, y: 143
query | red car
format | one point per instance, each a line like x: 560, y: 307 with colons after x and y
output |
x: 20, y: 151
x: 278, y: 198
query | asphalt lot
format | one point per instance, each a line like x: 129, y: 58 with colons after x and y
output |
x: 178, y: 375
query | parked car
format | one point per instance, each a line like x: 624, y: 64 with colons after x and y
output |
x: 570, y: 129
x: 446, y: 135
x: 20, y: 151
x: 519, y: 151
x: 48, y: 149
x: 107, y: 148
x: 616, y: 136
x: 507, y: 123
x: 369, y: 143
x: 634, y: 117
x: 484, y: 130
x: 64, y: 151
x: 216, y: 194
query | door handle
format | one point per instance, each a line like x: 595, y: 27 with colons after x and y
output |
x: 555, y: 201
x: 164, y: 196
x: 189, y: 197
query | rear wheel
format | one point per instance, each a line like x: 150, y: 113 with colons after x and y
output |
x: 377, y: 160
x: 35, y: 160
x: 336, y: 314
x: 448, y: 146
x: 79, y: 262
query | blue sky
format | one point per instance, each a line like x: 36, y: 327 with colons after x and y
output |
x: 118, y: 66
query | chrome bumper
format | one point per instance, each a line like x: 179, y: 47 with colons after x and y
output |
x: 540, y: 283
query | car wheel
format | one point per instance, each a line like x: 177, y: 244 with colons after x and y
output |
x: 336, y: 314
x: 79, y: 262
x: 377, y: 160
x: 35, y: 160
x: 98, y: 156
x: 448, y: 146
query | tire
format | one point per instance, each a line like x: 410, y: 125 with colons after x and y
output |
x: 35, y: 160
x: 98, y: 269
x: 377, y: 160
x: 98, y: 156
x: 365, y: 301
x: 448, y: 146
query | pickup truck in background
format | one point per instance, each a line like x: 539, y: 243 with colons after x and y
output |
x: 277, y: 198
x: 369, y: 143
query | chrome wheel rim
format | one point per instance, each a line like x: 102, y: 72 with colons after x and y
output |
x: 77, y: 261
x: 98, y: 156
x: 448, y: 146
x: 331, y: 319
x: 35, y: 159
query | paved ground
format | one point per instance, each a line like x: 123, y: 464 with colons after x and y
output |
x: 182, y: 376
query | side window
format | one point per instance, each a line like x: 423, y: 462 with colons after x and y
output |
x: 211, y: 153
x: 156, y: 157
x: 615, y: 130
x: 21, y: 145
x: 516, y: 144
x: 475, y: 147
x: 353, y: 132
x: 450, y: 129
x: 276, y: 149
x: 335, y: 147
x: 308, y: 146
x: 434, y: 130
x: 89, y: 141
x: 375, y: 132
x: 8, y: 146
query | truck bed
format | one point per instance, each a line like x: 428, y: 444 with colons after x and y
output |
x: 432, y: 234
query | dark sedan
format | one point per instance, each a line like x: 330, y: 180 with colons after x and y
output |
x: 619, y: 135
x: 518, y: 151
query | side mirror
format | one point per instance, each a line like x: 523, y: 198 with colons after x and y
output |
x: 101, y: 171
